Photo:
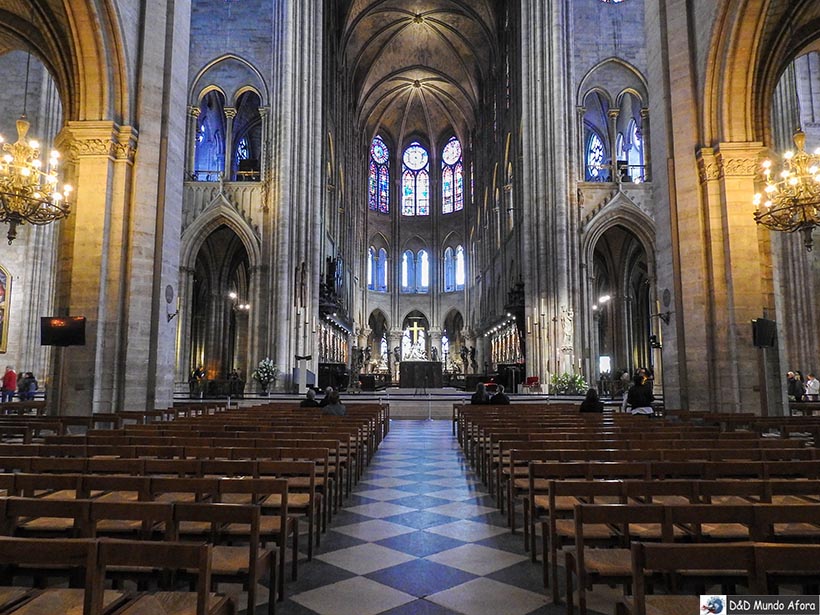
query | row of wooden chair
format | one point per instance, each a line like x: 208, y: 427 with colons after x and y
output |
x: 96, y: 558
x: 604, y: 534
x: 760, y: 567
x: 218, y: 523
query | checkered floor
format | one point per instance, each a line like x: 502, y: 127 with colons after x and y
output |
x: 419, y: 536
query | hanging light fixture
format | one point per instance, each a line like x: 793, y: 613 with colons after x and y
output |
x: 29, y: 189
x: 791, y: 199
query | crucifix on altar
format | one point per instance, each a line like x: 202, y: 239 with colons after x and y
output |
x: 415, y: 349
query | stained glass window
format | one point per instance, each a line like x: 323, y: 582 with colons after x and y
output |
x: 415, y: 181
x: 423, y: 271
x: 408, y: 272
x: 635, y: 156
x: 452, y: 177
x: 381, y: 271
x: 371, y: 257
x: 379, y: 177
x: 595, y: 158
x: 449, y: 271
x: 461, y: 268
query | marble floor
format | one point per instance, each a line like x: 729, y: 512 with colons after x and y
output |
x: 419, y: 535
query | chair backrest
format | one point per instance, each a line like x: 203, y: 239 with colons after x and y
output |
x: 651, y: 558
x: 149, y: 514
x: 166, y: 555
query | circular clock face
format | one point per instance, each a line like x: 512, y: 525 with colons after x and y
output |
x: 415, y: 157
x: 169, y: 294
x: 378, y: 150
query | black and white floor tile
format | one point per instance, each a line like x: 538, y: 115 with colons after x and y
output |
x: 419, y: 536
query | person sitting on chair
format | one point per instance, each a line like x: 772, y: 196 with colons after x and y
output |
x: 334, y: 406
x: 592, y: 403
x: 480, y: 396
x: 310, y: 400
x: 500, y: 398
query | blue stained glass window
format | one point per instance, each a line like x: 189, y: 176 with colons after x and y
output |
x: 379, y: 177
x: 452, y: 177
x: 372, y: 194
x: 415, y: 182
x: 458, y: 205
x: 408, y: 272
x: 447, y: 191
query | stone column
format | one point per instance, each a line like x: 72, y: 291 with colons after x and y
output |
x: 435, y: 342
x: 612, y: 114
x: 193, y: 116
x: 263, y: 155
x: 230, y: 114
x: 549, y: 233
x: 647, y: 155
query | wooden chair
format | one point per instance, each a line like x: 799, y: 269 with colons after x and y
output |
x: 736, y: 561
x: 162, y: 556
x: 611, y: 563
x: 79, y: 556
x: 273, y: 528
x: 243, y: 564
x: 303, y: 499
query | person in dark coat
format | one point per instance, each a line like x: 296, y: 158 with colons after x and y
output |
x: 334, y: 406
x: 500, y: 398
x: 639, y: 398
x: 310, y: 400
x: 480, y: 396
x: 592, y: 403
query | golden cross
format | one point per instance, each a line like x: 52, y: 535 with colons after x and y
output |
x: 414, y: 331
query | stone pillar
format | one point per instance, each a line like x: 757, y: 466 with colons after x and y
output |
x: 184, y: 323
x: 647, y: 155
x: 393, y: 342
x: 739, y: 279
x: 549, y: 232
x: 263, y: 155
x: 193, y: 116
x: 230, y: 114
x: 435, y: 342
x: 612, y: 114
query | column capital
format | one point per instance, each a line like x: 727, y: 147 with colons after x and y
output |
x: 230, y: 112
x: 613, y: 113
x: 194, y: 111
x: 740, y: 159
x: 93, y: 139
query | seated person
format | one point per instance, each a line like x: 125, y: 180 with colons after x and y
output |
x: 326, y: 399
x: 639, y: 398
x: 591, y: 402
x: 310, y: 400
x: 334, y: 406
x: 500, y: 398
x: 480, y: 396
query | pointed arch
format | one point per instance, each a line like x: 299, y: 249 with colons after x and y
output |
x: 235, y: 74
x: 220, y: 212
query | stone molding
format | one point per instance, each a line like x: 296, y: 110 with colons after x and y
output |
x: 97, y: 139
x: 729, y: 160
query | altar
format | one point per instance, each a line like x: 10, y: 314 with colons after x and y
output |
x: 420, y: 375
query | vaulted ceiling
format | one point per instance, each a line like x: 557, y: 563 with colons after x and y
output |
x: 419, y: 67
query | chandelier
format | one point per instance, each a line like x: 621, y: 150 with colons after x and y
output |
x: 29, y: 191
x: 791, y: 199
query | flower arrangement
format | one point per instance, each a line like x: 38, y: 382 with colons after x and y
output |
x: 568, y: 384
x: 265, y: 373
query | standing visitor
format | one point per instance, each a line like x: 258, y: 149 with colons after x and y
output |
x: 9, y: 384
x: 812, y: 388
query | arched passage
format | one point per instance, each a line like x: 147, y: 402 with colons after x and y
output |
x: 220, y: 308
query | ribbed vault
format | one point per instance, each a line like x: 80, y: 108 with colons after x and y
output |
x: 419, y: 66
